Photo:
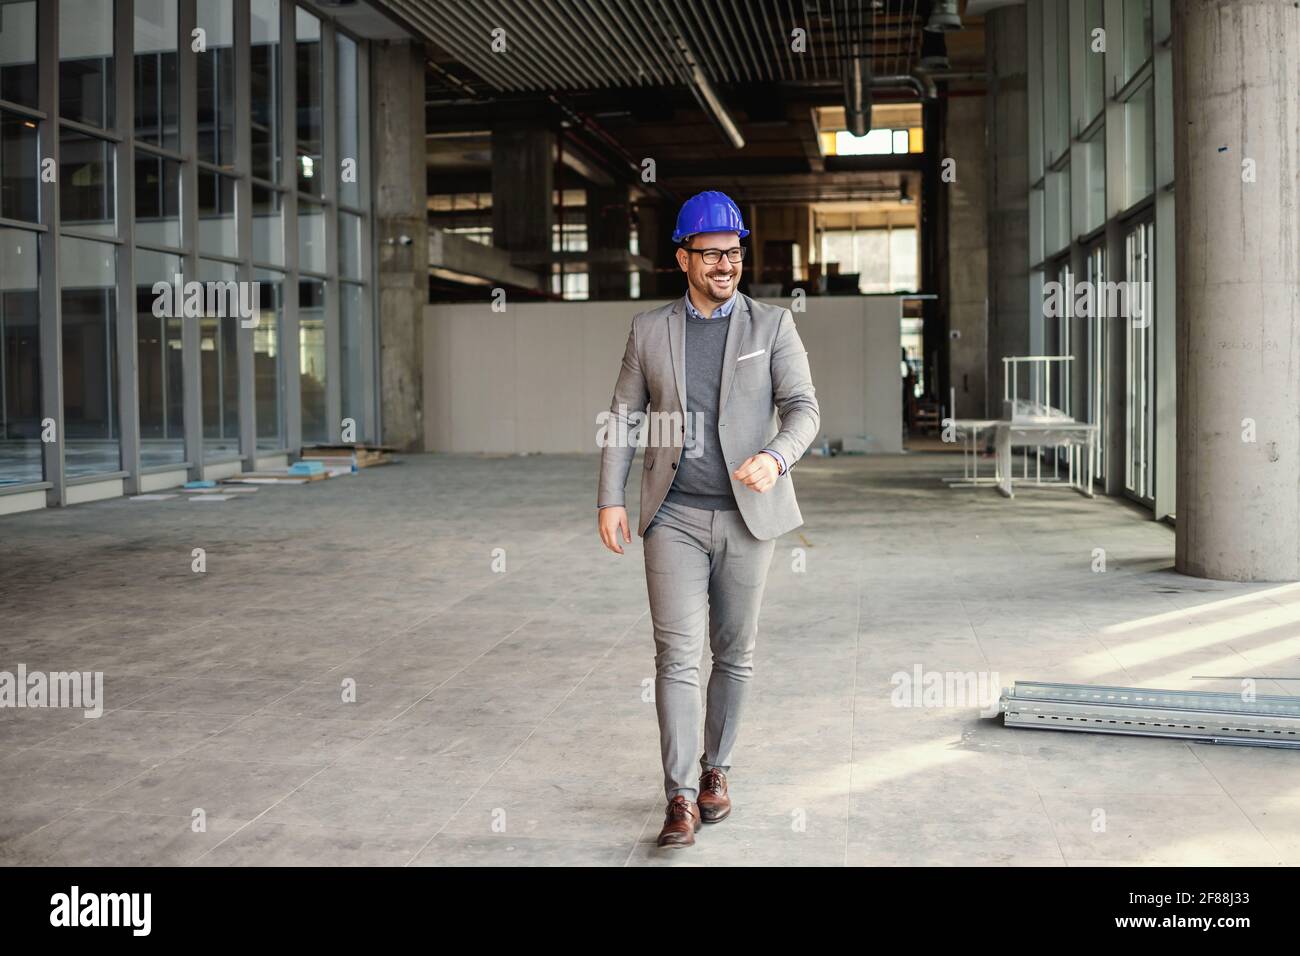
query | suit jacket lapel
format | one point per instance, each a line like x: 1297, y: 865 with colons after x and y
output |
x: 677, y: 346
x: 736, y: 330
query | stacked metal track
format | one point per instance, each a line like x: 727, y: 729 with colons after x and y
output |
x: 1205, y: 716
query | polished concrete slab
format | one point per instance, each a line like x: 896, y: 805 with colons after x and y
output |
x: 435, y: 663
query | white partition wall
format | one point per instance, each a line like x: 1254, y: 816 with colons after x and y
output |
x: 535, y: 377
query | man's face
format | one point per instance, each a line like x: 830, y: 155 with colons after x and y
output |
x: 714, y: 283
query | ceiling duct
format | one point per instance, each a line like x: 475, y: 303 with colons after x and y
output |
x: 857, y: 93
x: 943, y: 17
x: 934, y: 52
x: 855, y: 48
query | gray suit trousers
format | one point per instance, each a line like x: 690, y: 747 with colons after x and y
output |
x: 705, y: 573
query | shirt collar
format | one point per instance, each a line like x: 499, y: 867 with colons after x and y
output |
x: 721, y: 312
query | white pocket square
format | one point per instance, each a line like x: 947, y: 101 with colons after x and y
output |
x: 751, y: 355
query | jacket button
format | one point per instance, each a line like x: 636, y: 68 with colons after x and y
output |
x: 674, y: 466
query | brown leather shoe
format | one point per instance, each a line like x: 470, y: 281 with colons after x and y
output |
x: 681, y: 820
x: 714, y: 802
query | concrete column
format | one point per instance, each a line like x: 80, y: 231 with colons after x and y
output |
x: 523, y: 187
x: 402, y: 270
x: 1237, y: 117
x: 608, y: 230
x: 1008, y: 192
x: 968, y: 254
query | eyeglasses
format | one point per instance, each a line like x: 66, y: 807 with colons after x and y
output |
x: 714, y: 256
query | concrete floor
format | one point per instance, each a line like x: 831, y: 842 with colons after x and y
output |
x: 501, y: 717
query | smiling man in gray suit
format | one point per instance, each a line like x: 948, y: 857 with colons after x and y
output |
x: 731, y: 378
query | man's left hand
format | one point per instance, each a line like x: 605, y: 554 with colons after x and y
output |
x: 758, y: 472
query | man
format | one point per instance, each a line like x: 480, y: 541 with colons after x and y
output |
x: 731, y: 375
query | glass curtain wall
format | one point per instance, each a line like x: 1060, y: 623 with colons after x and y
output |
x: 197, y: 147
x: 1101, y: 211
x: 22, y: 122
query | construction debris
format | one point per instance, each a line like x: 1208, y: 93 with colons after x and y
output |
x: 1204, y: 716
x: 283, y: 476
x: 354, y: 456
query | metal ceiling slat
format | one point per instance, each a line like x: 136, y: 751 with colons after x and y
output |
x: 913, y: 42
x: 639, y: 67
x: 567, y: 38
x: 802, y: 58
x: 522, y: 41
x: 482, y: 60
x: 762, y: 43
x: 477, y: 36
x: 440, y: 36
x: 606, y: 62
x: 753, y: 58
x: 828, y: 45
x: 833, y: 65
x: 714, y: 63
x: 612, y: 52
x: 661, y: 40
x: 782, y: 36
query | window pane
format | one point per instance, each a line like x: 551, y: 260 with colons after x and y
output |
x: 20, y: 346
x: 158, y: 358
x: 352, y: 325
x: 1037, y: 212
x: 1058, y: 211
x: 349, y: 118
x: 1137, y: 35
x: 1139, y: 133
x: 871, y: 260
x: 267, y: 361
x: 216, y: 85
x: 86, y: 182
x: 1095, y: 169
x: 264, y: 72
x: 350, y: 245
x: 311, y: 236
x: 217, y: 214
x: 157, y: 201
x: 1061, y: 62
x: 86, y: 61
x: 311, y: 357
x: 902, y: 260
x: 18, y: 52
x: 219, y: 368
x: 89, y: 300
x: 268, y: 226
x: 157, y: 84
x: 18, y: 166
x: 309, y: 101
x: 1094, y: 62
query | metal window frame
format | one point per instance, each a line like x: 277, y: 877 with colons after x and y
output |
x: 49, y: 230
x: 1119, y: 86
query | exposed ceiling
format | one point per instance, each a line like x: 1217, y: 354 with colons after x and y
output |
x: 566, y: 45
x: 626, y: 80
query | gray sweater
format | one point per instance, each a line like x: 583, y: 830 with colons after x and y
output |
x: 702, y: 479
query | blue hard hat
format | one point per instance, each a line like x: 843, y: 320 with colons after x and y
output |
x: 709, y: 211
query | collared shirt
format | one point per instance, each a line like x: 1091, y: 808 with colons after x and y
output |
x: 722, y: 312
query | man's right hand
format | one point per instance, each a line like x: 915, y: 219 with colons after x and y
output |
x: 612, y: 520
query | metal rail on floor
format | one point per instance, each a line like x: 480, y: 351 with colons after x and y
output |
x: 1206, y: 716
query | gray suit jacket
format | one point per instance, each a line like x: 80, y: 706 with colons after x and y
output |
x: 766, y: 401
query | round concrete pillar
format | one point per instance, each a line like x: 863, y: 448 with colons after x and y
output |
x: 1237, y: 181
